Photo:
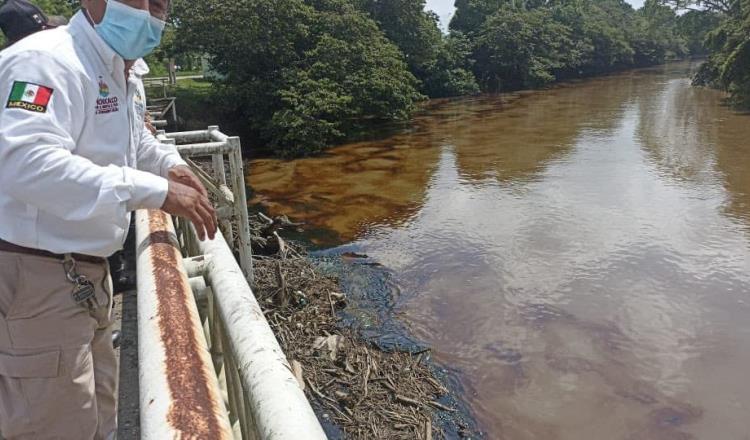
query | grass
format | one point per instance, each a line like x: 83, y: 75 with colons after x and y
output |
x: 200, y: 104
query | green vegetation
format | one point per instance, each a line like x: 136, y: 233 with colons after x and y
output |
x: 66, y: 8
x: 303, y: 74
x: 298, y: 75
x: 532, y: 43
x: 728, y: 66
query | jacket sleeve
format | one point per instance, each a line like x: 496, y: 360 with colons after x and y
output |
x: 156, y: 157
x: 38, y: 163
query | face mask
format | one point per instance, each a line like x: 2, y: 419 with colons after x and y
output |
x: 132, y: 33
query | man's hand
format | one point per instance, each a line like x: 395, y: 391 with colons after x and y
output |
x: 184, y: 175
x: 186, y: 202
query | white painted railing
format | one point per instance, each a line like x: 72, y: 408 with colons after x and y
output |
x: 231, y: 197
x: 179, y: 391
x: 159, y: 108
x: 210, y: 366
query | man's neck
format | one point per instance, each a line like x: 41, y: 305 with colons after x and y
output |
x: 128, y: 67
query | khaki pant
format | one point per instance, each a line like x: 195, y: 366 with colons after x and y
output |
x: 58, y: 370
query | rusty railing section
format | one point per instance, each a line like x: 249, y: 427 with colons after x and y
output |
x: 179, y: 392
x: 209, y: 363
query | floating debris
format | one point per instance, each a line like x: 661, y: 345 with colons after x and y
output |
x: 358, y: 390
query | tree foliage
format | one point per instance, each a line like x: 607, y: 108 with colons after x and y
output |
x: 694, y: 27
x: 302, y: 74
x: 65, y: 8
x: 439, y: 62
x: 516, y: 48
x: 728, y: 65
x: 529, y: 43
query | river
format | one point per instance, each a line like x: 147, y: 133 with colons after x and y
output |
x: 580, y: 256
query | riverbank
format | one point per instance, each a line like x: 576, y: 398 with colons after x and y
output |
x: 202, y: 102
x: 358, y: 389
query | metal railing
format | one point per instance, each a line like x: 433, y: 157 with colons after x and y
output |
x: 179, y: 391
x: 230, y: 197
x: 159, y: 108
x: 154, y: 83
x: 210, y: 365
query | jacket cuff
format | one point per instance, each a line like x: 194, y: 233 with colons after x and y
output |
x: 171, y: 161
x: 149, y: 191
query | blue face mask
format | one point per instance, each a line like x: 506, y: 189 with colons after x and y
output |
x: 132, y: 33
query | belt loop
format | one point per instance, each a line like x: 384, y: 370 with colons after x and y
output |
x: 69, y: 265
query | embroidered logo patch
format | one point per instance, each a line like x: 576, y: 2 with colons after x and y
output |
x: 29, y: 96
x: 107, y: 105
x: 140, y: 106
x: 103, y: 88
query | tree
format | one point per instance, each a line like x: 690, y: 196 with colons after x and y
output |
x: 602, y: 36
x: 518, y: 49
x: 728, y: 7
x: 658, y: 38
x: 534, y: 42
x: 694, y: 26
x: 452, y: 73
x: 302, y: 74
x: 728, y: 66
x: 410, y: 27
x: 470, y: 15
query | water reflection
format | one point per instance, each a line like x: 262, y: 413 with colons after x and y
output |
x: 579, y: 254
x: 356, y: 188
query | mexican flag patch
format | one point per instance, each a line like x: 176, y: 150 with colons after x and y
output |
x: 29, y: 96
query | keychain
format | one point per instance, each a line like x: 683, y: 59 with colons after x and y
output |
x: 83, y: 290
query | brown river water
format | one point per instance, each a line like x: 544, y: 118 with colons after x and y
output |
x: 580, y: 255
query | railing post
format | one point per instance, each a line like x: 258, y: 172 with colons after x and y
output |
x: 220, y: 173
x: 236, y: 170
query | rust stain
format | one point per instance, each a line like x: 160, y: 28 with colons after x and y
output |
x: 194, y: 411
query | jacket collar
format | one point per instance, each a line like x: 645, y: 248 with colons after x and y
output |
x: 79, y: 24
x: 140, y: 68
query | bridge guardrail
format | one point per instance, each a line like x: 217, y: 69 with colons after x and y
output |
x: 231, y: 197
x: 210, y: 365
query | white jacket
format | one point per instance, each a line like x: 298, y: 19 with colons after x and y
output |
x: 75, y: 156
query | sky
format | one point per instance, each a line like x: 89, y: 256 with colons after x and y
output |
x: 444, y: 9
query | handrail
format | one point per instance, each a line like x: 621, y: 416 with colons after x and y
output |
x: 218, y: 146
x: 210, y: 365
x: 272, y: 404
x: 179, y: 392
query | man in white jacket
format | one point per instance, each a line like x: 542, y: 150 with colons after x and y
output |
x: 75, y: 161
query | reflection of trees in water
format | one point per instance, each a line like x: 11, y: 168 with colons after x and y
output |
x: 515, y: 141
x: 677, y: 130
x: 690, y: 136
x: 506, y: 137
x: 356, y: 186
x: 733, y: 161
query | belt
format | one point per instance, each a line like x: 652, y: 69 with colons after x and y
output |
x: 16, y: 249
